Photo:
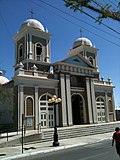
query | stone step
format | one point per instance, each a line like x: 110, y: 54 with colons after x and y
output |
x: 64, y: 133
x: 80, y: 131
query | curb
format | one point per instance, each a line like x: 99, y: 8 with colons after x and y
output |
x: 50, y: 150
x: 43, y: 151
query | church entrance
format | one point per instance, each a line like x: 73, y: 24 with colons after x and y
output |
x: 77, y: 109
x: 46, y: 112
x: 100, y: 104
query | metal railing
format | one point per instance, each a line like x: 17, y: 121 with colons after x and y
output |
x: 11, y: 132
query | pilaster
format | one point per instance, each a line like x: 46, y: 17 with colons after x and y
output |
x: 64, y: 112
x: 27, y: 46
x: 21, y: 106
x: 69, y: 104
x: 57, y: 109
x: 89, y: 101
x: 30, y: 46
x: 93, y: 101
x: 113, y: 103
x: 16, y: 59
x: 106, y: 108
x: 48, y: 51
x: 25, y: 52
x: 36, y: 108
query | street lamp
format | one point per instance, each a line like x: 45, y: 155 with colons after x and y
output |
x: 54, y: 100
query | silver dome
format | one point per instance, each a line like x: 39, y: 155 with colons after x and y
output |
x: 82, y: 41
x: 32, y: 23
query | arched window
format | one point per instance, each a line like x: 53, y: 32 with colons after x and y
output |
x: 20, y: 52
x: 38, y: 51
x: 29, y: 107
x: 91, y: 60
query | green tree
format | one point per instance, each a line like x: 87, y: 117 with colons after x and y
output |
x: 104, y: 11
x: 6, y: 95
x: 6, y: 106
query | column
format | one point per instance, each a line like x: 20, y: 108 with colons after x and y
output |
x: 89, y: 101
x: 36, y: 108
x: 16, y: 54
x: 47, y: 56
x: 96, y: 61
x: 57, y: 109
x: 63, y: 97
x: 106, y: 108
x: 27, y: 46
x: 18, y: 107
x: 30, y: 46
x: 69, y: 105
x: 25, y: 52
x: 113, y: 103
x: 21, y: 106
x: 93, y: 101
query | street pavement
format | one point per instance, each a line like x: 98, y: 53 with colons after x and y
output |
x: 34, y: 148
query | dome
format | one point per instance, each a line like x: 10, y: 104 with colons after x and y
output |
x: 82, y: 41
x: 32, y: 23
x: 3, y: 80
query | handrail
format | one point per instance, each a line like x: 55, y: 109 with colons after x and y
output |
x: 16, y: 129
x: 11, y: 130
x: 39, y: 127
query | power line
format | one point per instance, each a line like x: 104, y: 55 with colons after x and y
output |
x: 83, y: 27
x: 112, y: 3
x: 69, y: 22
x: 82, y: 12
x: 117, y: 1
x: 6, y: 26
x: 100, y: 22
x: 103, y: 10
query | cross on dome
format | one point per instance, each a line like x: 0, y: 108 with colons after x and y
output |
x: 32, y: 13
x: 81, y: 33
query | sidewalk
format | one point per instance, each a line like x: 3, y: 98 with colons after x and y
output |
x: 10, y: 153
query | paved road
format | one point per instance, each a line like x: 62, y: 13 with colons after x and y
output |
x: 97, y: 151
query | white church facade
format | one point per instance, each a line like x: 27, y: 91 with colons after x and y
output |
x: 86, y: 99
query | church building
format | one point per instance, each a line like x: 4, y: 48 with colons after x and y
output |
x: 86, y: 98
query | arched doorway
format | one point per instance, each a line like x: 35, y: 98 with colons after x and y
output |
x: 77, y: 110
x: 100, y: 104
x: 46, y: 112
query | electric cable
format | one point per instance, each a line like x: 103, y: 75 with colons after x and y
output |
x: 83, y: 27
x: 84, y: 13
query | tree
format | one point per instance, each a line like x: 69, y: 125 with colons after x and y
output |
x: 104, y: 11
x: 6, y: 107
x: 6, y: 95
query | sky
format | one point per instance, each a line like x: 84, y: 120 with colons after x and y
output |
x: 65, y: 26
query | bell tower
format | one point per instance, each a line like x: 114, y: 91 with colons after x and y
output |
x: 84, y: 47
x: 32, y: 46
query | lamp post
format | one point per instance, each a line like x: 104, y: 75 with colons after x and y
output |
x: 54, y: 100
x: 22, y: 131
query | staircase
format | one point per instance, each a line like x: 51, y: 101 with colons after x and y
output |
x: 63, y: 133
x: 78, y: 131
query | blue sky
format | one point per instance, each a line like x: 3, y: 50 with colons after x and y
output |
x: 65, y: 30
